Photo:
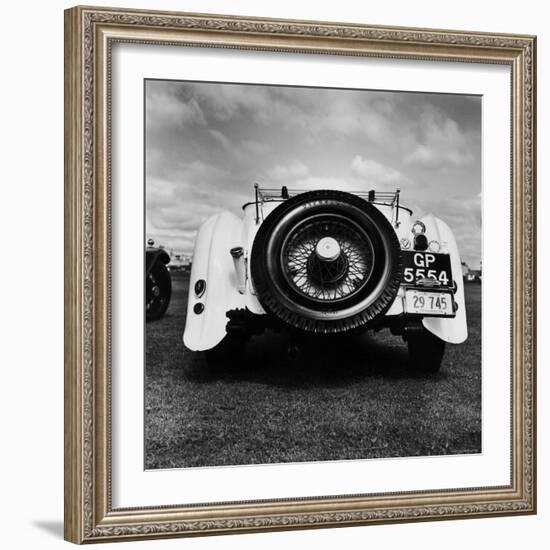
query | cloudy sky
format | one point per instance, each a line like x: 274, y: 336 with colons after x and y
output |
x: 208, y: 143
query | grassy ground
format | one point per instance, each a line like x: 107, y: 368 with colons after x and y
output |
x: 353, y: 400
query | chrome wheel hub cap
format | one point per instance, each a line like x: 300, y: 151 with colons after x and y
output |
x: 327, y: 249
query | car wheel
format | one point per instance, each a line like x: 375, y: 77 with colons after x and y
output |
x: 425, y: 350
x: 326, y: 262
x: 158, y: 288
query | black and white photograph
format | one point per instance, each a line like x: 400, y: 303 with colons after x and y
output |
x: 313, y: 274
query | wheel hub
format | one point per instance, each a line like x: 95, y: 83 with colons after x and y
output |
x: 327, y: 272
x: 327, y: 249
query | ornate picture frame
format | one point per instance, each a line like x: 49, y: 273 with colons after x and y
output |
x: 90, y: 34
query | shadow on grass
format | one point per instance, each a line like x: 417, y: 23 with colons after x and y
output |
x: 334, y: 362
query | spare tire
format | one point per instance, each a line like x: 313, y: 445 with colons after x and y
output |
x: 326, y: 262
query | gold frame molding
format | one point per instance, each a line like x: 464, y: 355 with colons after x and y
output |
x: 89, y: 35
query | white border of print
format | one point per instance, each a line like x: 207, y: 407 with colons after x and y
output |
x: 134, y: 487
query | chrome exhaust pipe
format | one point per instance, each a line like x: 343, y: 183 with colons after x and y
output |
x: 237, y: 253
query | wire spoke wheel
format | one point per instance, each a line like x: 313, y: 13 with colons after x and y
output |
x: 330, y: 277
x: 326, y: 261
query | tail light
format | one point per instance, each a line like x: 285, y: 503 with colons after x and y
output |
x: 420, y: 241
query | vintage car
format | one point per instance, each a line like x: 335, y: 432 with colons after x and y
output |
x: 158, y: 284
x: 326, y: 262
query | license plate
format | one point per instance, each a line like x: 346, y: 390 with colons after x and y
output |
x: 427, y: 265
x: 428, y: 303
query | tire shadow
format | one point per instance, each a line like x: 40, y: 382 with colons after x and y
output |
x: 324, y: 362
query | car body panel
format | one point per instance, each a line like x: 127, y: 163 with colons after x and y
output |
x: 213, y: 263
x: 453, y: 330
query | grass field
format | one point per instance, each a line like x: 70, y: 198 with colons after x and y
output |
x: 354, y: 400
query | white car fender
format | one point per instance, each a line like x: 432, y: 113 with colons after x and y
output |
x: 452, y: 330
x: 212, y: 262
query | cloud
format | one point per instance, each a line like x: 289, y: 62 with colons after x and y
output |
x: 312, y: 183
x: 434, y: 158
x: 224, y: 103
x: 288, y: 172
x: 345, y: 119
x: 208, y: 143
x: 376, y: 173
x: 164, y: 107
x: 440, y: 143
x: 221, y: 139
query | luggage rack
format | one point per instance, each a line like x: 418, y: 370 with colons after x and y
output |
x: 380, y: 198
